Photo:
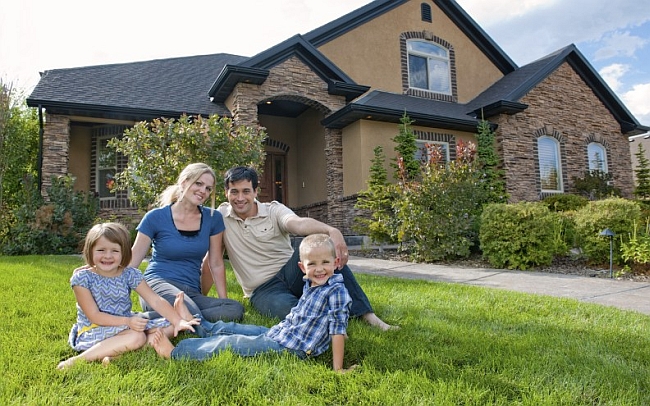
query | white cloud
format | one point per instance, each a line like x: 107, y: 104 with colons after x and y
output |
x: 638, y: 100
x: 613, y: 73
x: 619, y: 44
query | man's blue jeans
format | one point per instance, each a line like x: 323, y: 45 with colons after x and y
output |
x: 278, y: 295
x: 246, y: 340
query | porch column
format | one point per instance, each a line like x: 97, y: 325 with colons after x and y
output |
x: 334, y: 173
x: 56, y: 149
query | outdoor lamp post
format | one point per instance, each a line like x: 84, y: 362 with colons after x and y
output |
x: 609, y: 233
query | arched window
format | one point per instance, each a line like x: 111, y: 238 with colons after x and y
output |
x: 597, y: 157
x: 428, y: 67
x: 550, y: 169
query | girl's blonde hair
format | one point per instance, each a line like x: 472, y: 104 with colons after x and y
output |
x: 113, y: 232
x: 191, y: 174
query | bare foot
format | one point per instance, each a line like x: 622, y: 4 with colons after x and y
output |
x: 66, y: 364
x: 181, y: 307
x: 106, y: 361
x: 161, y: 344
x: 373, y: 320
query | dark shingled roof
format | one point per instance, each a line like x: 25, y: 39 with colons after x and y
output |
x: 154, y: 88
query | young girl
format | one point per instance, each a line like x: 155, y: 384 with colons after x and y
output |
x: 106, y: 326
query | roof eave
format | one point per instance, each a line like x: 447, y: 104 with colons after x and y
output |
x: 500, y: 107
x: 354, y: 112
x: 230, y: 75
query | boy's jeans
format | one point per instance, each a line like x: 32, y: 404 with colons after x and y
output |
x: 246, y: 340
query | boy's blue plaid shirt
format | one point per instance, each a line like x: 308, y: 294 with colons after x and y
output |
x: 321, y: 311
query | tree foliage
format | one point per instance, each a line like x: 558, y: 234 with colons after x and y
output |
x: 488, y: 163
x: 18, y: 145
x: 378, y: 201
x: 406, y: 166
x: 642, y: 171
x: 159, y: 150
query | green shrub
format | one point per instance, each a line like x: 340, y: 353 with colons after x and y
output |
x: 519, y: 236
x: 635, y: 250
x: 617, y: 214
x: 57, y: 226
x: 565, y: 202
x: 439, y: 215
x: 595, y: 185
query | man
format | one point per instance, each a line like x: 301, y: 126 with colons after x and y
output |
x: 258, y: 242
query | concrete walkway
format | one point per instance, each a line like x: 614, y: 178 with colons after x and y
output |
x: 626, y: 295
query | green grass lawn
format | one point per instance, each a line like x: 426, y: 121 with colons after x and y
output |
x: 458, y: 345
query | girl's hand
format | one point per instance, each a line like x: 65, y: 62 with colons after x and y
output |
x: 137, y: 323
x: 185, y: 325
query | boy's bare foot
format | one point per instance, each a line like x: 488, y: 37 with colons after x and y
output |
x: 160, y: 342
x: 181, y: 307
x: 373, y: 320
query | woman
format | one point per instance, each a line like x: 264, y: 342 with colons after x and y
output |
x: 180, y: 231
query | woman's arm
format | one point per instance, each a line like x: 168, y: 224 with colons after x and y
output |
x: 140, y: 249
x: 217, y: 266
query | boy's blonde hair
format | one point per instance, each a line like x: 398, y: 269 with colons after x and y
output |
x: 113, y: 232
x: 316, y: 241
x: 191, y: 174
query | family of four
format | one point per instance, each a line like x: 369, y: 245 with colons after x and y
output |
x: 311, y: 289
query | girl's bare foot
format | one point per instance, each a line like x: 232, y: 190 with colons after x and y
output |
x: 160, y: 342
x: 66, y: 364
x: 373, y: 320
x: 106, y: 361
x: 181, y: 307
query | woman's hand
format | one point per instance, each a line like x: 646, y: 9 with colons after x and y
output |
x: 185, y: 325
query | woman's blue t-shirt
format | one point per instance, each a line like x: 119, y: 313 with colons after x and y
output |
x: 176, y: 257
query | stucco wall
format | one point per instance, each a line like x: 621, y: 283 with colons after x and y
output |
x: 370, y: 54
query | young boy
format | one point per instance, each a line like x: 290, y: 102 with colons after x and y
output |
x: 321, y: 313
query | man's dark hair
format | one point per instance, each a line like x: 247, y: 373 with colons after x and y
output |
x: 238, y: 173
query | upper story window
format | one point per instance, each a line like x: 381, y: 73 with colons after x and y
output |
x: 597, y: 157
x: 428, y: 67
x: 550, y: 169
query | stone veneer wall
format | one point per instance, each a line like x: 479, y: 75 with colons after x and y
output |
x: 295, y: 81
x: 344, y: 208
x: 56, y: 149
x: 563, y: 105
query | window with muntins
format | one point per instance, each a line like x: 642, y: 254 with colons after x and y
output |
x: 428, y: 150
x: 550, y: 169
x: 428, y: 67
x: 106, y: 168
x: 597, y: 157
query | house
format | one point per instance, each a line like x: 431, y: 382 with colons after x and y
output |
x: 328, y: 97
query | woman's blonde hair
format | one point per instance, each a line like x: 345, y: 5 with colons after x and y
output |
x: 190, y: 174
x: 113, y: 232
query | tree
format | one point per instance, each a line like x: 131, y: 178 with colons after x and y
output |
x: 406, y: 167
x: 18, y: 145
x: 642, y: 171
x: 159, y: 150
x: 488, y: 164
x: 378, y: 200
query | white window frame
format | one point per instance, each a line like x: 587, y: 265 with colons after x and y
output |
x: 597, y: 156
x: 433, y: 61
x: 548, y: 150
x: 102, y: 170
x: 421, y: 144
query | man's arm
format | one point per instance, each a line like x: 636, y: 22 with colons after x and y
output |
x: 305, y: 226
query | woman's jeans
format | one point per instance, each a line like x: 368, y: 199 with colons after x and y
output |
x: 246, y: 340
x: 278, y: 295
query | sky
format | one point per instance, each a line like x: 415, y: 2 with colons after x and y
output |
x: 38, y: 35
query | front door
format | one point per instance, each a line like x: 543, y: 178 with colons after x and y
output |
x: 273, y: 181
